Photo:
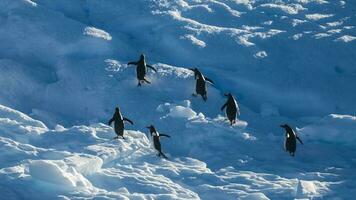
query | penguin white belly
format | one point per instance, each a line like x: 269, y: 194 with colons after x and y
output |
x: 113, y: 125
x: 152, y: 143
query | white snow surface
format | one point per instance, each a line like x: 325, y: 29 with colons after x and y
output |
x: 63, y: 71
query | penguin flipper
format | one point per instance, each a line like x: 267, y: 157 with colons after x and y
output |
x: 299, y: 140
x: 162, y: 154
x: 223, y: 107
x: 132, y: 63
x: 128, y: 120
x: 165, y: 135
x: 149, y: 66
x: 209, y: 80
x: 146, y: 81
x: 110, y: 121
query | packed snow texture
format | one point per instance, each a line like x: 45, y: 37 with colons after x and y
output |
x: 63, y: 71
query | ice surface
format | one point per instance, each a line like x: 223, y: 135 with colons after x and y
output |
x: 63, y: 70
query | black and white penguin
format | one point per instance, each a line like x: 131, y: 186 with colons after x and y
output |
x: 290, y: 143
x: 156, y: 140
x: 232, y: 109
x: 200, y: 87
x: 141, y: 69
x: 119, y: 125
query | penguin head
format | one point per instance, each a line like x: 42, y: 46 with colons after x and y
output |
x: 284, y: 126
x: 142, y: 57
x: 287, y: 128
x: 152, y: 129
x: 228, y: 94
x: 117, y: 109
x: 196, y: 72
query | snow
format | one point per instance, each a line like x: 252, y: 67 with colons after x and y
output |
x: 318, y: 16
x: 289, y: 9
x: 339, y: 129
x: 261, y: 54
x: 63, y: 70
x: 183, y: 112
x: 194, y: 40
x: 92, y: 31
x: 346, y: 38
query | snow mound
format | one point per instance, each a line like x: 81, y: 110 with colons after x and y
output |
x: 333, y: 129
x: 346, y: 38
x: 84, y: 161
x: 10, y: 116
x: 50, y: 172
x: 92, y: 31
x: 318, y: 16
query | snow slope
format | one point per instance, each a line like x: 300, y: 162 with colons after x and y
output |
x: 84, y: 161
x: 64, y: 62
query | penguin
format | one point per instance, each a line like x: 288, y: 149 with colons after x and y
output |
x: 119, y: 125
x: 232, y: 109
x: 156, y: 140
x: 200, y: 87
x: 290, y: 143
x: 141, y: 69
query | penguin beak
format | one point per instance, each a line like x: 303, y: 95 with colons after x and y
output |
x: 283, y: 126
x: 226, y: 94
x: 148, y: 127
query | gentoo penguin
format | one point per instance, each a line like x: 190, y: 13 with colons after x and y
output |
x: 200, y: 87
x: 141, y: 69
x: 156, y: 141
x: 119, y: 125
x: 291, y: 139
x: 232, y: 109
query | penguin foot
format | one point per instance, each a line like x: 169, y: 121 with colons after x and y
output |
x: 116, y: 137
x: 194, y: 95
